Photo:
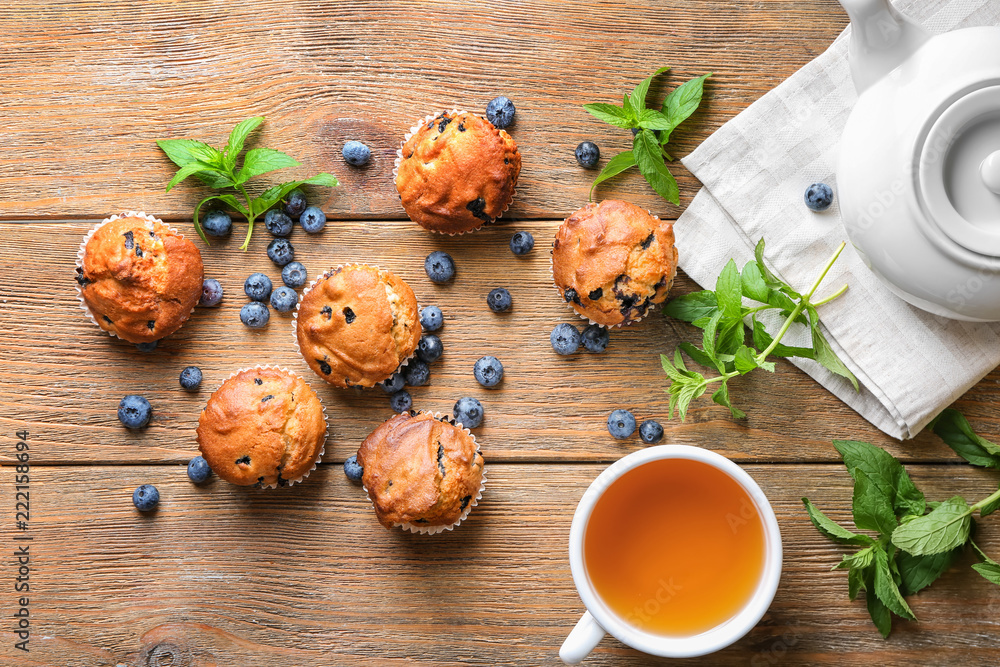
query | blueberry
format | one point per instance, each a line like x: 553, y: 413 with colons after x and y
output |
x: 521, y: 243
x: 818, y: 197
x: 431, y: 318
x: 280, y: 251
x: 500, y: 111
x: 278, y: 222
x: 650, y: 431
x: 488, y: 371
x: 211, y: 293
x: 595, y: 338
x: 312, y: 220
x: 498, y: 300
x: 440, y: 267
x: 393, y: 384
x: 191, y: 378
x: 401, y: 401
x: 417, y: 373
x: 198, y: 470
x: 621, y: 424
x: 295, y: 203
x: 217, y: 223
x: 146, y: 498
x: 255, y: 315
x: 294, y: 274
x: 353, y: 469
x: 147, y: 347
x: 356, y: 153
x: 429, y: 349
x: 588, y: 155
x: 565, y: 338
x: 257, y: 287
x: 469, y: 412
x: 284, y: 299
x: 134, y: 411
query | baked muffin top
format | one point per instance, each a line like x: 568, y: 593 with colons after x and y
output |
x: 457, y: 172
x: 611, y: 261
x: 356, y: 325
x: 263, y: 426
x: 420, y: 470
x: 139, y: 278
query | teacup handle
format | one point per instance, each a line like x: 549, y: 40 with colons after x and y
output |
x: 581, y: 640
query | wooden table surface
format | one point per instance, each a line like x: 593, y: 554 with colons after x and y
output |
x: 221, y: 575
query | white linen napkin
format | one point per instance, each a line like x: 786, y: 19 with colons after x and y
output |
x: 755, y: 170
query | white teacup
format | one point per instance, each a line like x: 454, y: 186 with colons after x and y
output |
x: 599, y: 620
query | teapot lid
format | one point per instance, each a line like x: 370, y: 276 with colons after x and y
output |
x: 959, y: 171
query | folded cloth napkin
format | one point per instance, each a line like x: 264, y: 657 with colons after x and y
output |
x: 755, y: 170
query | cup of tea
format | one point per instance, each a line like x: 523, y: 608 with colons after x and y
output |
x: 675, y: 551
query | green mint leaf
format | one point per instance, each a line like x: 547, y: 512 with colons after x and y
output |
x: 690, y: 307
x: 610, y: 114
x: 731, y: 336
x: 879, y: 612
x: 672, y: 371
x: 745, y: 361
x: 990, y: 507
x: 919, y: 572
x: 721, y: 396
x: 989, y: 569
x: 708, y: 335
x: 773, y: 281
x: 638, y: 96
x: 729, y: 291
x: 649, y: 157
x: 855, y: 582
x: 615, y: 166
x: 859, y: 560
x: 885, y: 471
x: 650, y: 119
x: 684, y: 100
x: 944, y: 529
x: 952, y: 427
x: 187, y: 170
x: 762, y: 340
x: 886, y: 589
x: 832, y: 529
x: 697, y: 355
x: 780, y: 300
x: 872, y: 506
x: 630, y: 110
x: 262, y: 160
x: 238, y: 137
x: 183, y: 151
x: 825, y: 354
x: 273, y: 195
x: 754, y: 286
x: 688, y: 393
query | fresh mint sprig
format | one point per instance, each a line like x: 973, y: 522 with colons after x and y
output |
x: 721, y: 315
x: 913, y: 547
x: 652, y: 129
x: 217, y: 169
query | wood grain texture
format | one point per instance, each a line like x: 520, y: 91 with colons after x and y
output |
x: 62, y: 377
x: 89, y: 86
x: 306, y: 575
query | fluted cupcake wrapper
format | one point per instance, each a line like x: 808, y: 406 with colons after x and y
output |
x: 326, y: 421
x: 434, y: 530
x: 399, y: 159
x: 83, y: 250
x: 295, y: 318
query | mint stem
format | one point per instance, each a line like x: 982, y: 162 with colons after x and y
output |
x: 985, y: 501
x: 250, y: 216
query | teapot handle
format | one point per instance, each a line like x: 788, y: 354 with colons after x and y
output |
x: 881, y: 40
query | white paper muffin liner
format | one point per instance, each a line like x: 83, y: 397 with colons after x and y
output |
x: 652, y: 306
x: 434, y: 530
x: 82, y: 251
x: 295, y: 321
x: 399, y: 158
x: 326, y: 422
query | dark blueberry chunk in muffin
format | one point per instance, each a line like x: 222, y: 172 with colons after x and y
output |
x: 349, y: 315
x: 648, y: 241
x: 326, y: 311
x: 245, y: 460
x: 129, y: 240
x: 571, y: 296
x: 478, y: 208
x: 596, y: 294
x: 325, y: 367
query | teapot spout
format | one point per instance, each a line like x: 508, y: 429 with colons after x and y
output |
x: 881, y: 40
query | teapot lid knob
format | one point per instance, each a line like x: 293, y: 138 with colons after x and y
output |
x: 990, y: 171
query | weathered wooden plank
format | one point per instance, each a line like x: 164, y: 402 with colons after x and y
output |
x: 305, y: 575
x: 89, y: 86
x: 62, y: 378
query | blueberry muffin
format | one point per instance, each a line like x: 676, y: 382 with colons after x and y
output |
x: 422, y: 472
x: 264, y: 426
x: 612, y: 261
x: 456, y: 172
x: 139, y: 278
x: 356, y: 324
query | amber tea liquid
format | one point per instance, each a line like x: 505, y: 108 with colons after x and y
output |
x: 675, y: 547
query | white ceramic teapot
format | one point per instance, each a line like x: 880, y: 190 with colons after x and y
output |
x: 919, y: 167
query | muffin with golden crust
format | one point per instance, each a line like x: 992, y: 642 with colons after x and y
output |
x: 422, y: 472
x: 457, y: 172
x: 356, y: 324
x: 612, y: 261
x: 264, y: 426
x: 139, y: 278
